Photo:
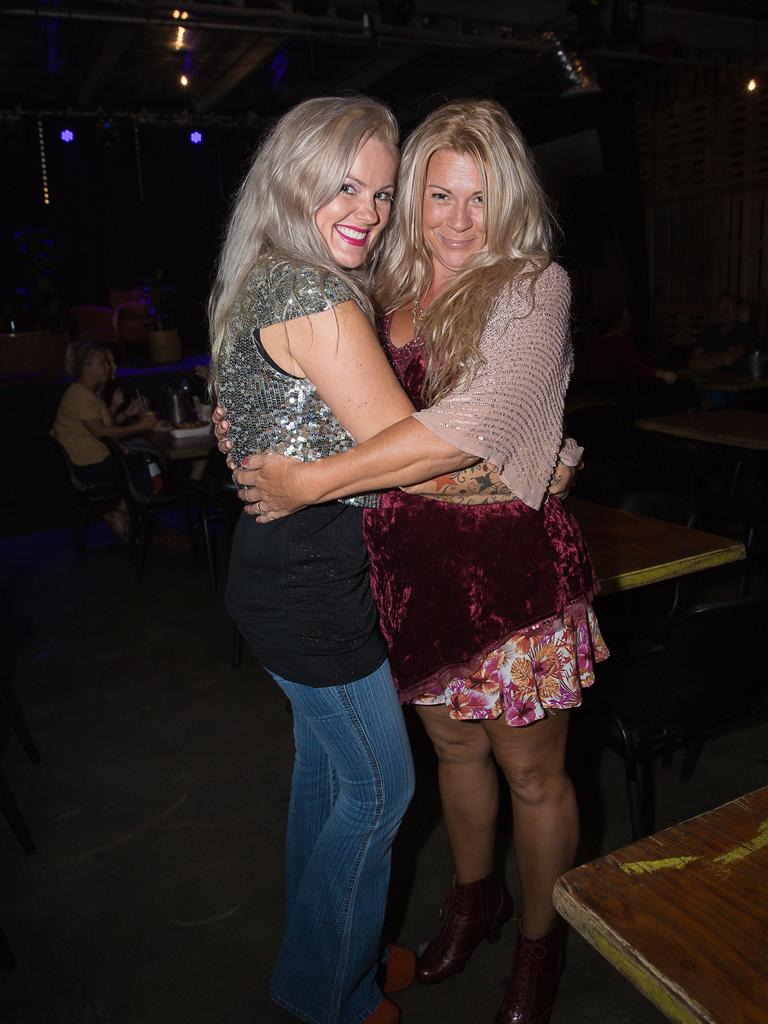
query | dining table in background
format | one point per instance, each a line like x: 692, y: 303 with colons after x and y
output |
x: 631, y: 551
x: 180, y: 448
x: 683, y: 915
x: 731, y: 428
x: 722, y: 380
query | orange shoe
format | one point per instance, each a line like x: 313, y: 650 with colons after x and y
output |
x: 399, y: 969
x: 385, y: 1013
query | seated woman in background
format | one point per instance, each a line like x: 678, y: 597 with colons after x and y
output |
x: 83, y: 419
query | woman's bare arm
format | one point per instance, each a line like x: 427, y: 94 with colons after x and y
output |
x: 482, y: 483
x: 147, y: 422
x: 340, y: 354
x: 405, y: 453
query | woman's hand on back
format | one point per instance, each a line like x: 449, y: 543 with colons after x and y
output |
x: 221, y: 430
x: 269, y: 479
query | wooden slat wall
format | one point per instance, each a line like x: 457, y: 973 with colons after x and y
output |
x: 704, y: 172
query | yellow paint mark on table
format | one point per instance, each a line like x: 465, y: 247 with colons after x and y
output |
x: 745, y: 849
x: 724, y: 860
x: 647, y: 867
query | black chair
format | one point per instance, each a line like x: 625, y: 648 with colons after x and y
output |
x: 20, y: 727
x: 14, y: 817
x: 7, y: 959
x: 86, y: 497
x: 654, y: 607
x: 597, y: 481
x: 222, y: 506
x: 143, y: 507
x: 696, y: 686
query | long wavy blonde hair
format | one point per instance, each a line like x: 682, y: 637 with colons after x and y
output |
x: 299, y: 167
x: 519, y: 231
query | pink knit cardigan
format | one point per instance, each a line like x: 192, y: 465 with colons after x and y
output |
x: 511, y: 413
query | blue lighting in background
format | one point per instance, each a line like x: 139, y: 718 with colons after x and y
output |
x: 67, y: 135
x: 279, y: 66
x: 195, y: 138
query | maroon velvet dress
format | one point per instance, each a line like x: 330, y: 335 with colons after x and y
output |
x: 484, y: 607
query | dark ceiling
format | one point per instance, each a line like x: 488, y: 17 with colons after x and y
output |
x: 254, y: 60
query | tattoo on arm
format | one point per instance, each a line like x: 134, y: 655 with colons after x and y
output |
x: 478, y: 485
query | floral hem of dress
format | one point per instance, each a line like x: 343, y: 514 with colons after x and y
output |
x: 541, y: 668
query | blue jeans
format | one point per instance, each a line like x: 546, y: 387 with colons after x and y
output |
x: 352, y: 782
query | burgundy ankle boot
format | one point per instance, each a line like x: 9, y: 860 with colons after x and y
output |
x: 536, y: 971
x: 470, y: 913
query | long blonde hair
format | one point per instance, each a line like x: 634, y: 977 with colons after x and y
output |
x: 518, y: 233
x: 299, y: 167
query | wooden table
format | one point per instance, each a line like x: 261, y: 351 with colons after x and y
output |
x: 734, y: 428
x: 633, y: 551
x: 176, y: 448
x: 683, y: 914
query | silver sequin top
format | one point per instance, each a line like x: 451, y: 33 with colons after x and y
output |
x: 270, y: 410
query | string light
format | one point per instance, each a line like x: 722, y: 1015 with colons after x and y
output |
x: 43, y: 165
x: 137, y: 151
x: 184, y: 15
x: 184, y: 81
x: 752, y: 85
x: 179, y: 40
x: 179, y: 15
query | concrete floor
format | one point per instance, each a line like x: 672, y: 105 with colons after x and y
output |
x: 159, y: 807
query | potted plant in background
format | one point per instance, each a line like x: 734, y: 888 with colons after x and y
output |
x: 39, y: 301
x: 164, y: 340
x: 31, y: 319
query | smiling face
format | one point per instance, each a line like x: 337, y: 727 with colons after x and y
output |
x: 453, y: 214
x: 354, y: 219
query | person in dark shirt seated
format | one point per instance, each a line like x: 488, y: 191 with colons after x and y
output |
x: 723, y: 344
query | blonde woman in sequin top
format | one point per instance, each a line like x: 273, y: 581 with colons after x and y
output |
x: 296, y: 360
x: 485, y: 605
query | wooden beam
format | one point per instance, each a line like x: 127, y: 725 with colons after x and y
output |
x: 384, y: 63
x: 248, y: 60
x: 111, y: 49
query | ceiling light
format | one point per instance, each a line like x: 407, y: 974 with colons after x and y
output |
x: 575, y: 75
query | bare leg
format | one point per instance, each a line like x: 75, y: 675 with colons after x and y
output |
x: 546, y: 823
x: 468, y: 789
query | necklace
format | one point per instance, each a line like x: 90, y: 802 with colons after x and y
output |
x: 417, y: 316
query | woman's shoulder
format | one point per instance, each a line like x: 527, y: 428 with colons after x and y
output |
x: 531, y: 289
x: 286, y: 289
x: 80, y: 402
x: 77, y: 392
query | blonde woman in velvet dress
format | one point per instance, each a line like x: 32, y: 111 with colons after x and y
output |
x: 485, y: 601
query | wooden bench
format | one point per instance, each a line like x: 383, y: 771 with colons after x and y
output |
x: 683, y: 914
